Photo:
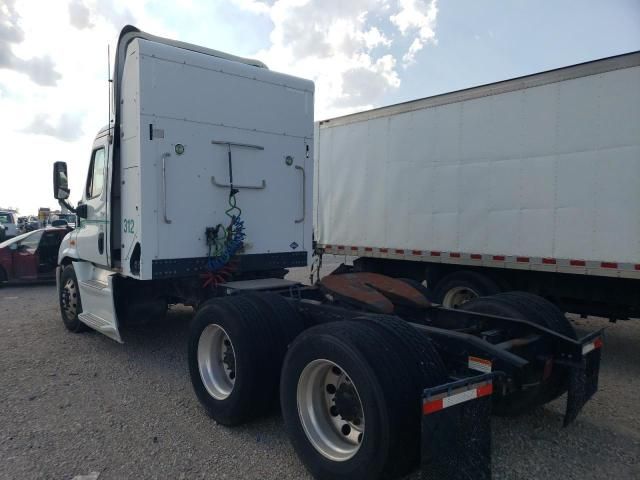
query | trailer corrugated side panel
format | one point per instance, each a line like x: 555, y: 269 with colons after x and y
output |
x: 545, y: 166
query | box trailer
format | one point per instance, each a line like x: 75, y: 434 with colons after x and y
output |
x: 199, y: 192
x: 530, y: 184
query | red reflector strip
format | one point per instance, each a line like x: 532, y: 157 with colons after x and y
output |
x: 577, y: 263
x: 476, y: 256
x: 454, y: 255
x: 591, y: 346
x: 549, y: 261
x: 499, y: 258
x: 480, y: 364
x: 368, y: 249
x: 327, y: 246
x: 354, y: 249
x: 637, y: 267
x: 398, y: 250
x: 416, y: 252
x: 340, y: 247
x: 384, y: 250
x: 522, y: 259
x: 473, y: 392
x: 609, y: 265
x: 434, y: 254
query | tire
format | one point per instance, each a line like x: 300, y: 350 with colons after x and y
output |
x: 455, y: 289
x: 520, y: 401
x: 280, y: 313
x: 546, y: 314
x: 3, y: 276
x: 375, y: 366
x: 258, y: 342
x: 553, y: 318
x: 70, y: 301
x: 526, y: 306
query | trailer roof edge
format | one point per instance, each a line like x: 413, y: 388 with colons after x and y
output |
x: 593, y: 67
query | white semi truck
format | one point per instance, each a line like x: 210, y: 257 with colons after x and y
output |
x: 199, y: 191
x: 527, y: 184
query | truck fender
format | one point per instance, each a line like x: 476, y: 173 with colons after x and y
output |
x: 68, y: 248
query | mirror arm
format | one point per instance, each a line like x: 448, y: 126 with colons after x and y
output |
x: 66, y: 205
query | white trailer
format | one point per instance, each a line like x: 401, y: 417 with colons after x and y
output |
x: 530, y: 184
x: 200, y: 188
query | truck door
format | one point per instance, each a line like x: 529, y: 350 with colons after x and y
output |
x: 93, y: 232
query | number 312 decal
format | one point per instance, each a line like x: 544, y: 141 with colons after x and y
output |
x: 128, y: 225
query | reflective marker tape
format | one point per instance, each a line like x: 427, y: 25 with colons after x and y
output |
x: 480, y: 364
x: 591, y: 346
x: 471, y: 393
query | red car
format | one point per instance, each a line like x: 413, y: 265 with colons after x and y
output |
x: 31, y: 256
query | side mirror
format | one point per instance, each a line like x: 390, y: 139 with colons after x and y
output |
x: 60, y: 181
x: 81, y: 210
x: 13, y: 246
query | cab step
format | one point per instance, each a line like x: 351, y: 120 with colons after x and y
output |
x: 101, y: 325
x: 96, y: 292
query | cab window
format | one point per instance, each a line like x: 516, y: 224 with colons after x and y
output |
x: 95, y: 181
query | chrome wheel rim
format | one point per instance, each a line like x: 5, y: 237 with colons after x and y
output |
x: 330, y: 410
x: 458, y: 296
x: 216, y: 361
x: 70, y: 299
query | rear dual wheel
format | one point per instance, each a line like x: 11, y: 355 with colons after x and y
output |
x: 351, y: 397
x: 535, y: 309
x: 236, y: 349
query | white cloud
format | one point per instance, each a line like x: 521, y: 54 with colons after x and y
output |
x: 416, y: 17
x: 42, y: 124
x: 67, y: 127
x: 346, y: 47
x: 79, y: 14
x: 40, y: 69
x: 352, y: 49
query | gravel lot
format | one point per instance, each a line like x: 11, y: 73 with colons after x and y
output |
x: 76, y: 404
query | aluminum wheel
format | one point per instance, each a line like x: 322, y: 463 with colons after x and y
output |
x: 216, y: 361
x: 458, y: 296
x: 330, y: 410
x: 70, y: 299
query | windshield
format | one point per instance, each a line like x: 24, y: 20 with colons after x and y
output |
x: 35, y: 237
x: 6, y: 217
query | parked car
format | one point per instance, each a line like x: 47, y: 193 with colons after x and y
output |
x: 32, y: 224
x: 69, y: 218
x: 9, y: 224
x: 22, y: 223
x: 31, y: 256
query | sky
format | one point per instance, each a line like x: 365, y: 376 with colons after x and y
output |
x: 361, y: 54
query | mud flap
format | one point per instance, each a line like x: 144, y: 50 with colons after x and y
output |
x: 583, y: 377
x: 456, y: 429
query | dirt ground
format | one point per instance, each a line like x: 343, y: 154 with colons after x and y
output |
x: 75, y: 404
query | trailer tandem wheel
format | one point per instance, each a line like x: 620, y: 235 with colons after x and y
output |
x: 350, y: 401
x: 458, y: 288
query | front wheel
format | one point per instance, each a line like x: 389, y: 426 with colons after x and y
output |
x: 69, y: 299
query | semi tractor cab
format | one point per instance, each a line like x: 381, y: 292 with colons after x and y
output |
x: 199, y: 192
x: 203, y: 173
